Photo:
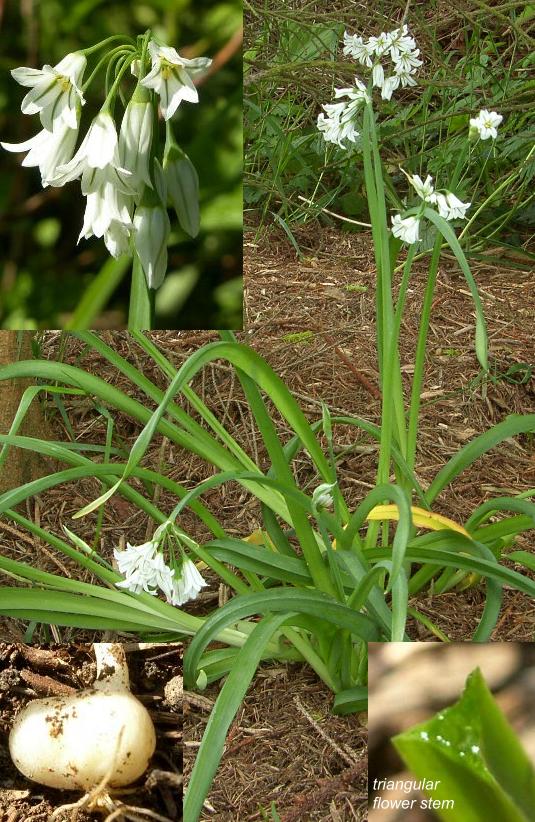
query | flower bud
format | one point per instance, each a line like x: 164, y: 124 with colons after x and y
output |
x: 322, y: 496
x: 151, y: 232
x: 135, y: 140
x: 182, y: 188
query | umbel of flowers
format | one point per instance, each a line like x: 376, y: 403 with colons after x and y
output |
x: 127, y: 175
x: 391, y: 61
x: 160, y: 564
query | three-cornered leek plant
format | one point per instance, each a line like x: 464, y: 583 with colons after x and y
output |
x: 314, y: 583
x: 473, y: 759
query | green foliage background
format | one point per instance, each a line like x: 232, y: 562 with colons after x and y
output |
x: 43, y: 272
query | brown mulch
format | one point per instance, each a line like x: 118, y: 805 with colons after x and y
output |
x: 285, y: 752
x: 29, y: 672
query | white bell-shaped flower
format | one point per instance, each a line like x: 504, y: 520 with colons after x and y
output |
x: 171, y: 77
x: 450, y: 207
x: 48, y: 149
x: 406, y: 228
x: 55, y: 91
x: 188, y: 585
x: 136, y: 564
x: 98, y: 149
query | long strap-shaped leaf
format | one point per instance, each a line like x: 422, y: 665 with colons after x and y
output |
x: 83, y: 611
x: 209, y: 450
x: 224, y: 711
x: 62, y: 453
x: 481, y: 328
x: 511, y: 426
x: 252, y: 364
x: 312, y: 603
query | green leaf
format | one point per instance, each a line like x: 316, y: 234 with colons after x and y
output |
x: 475, y: 759
x: 481, y: 329
x: 293, y: 602
x: 510, y: 427
x: 351, y: 701
x: 223, y: 713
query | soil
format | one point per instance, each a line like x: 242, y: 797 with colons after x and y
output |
x: 28, y: 672
x: 285, y: 752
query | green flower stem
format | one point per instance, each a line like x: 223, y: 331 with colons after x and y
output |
x: 391, y: 384
x: 111, y: 55
x: 113, y: 90
x: 91, y: 49
x: 114, y: 63
x: 372, y: 205
x: 141, y: 311
x: 419, y: 362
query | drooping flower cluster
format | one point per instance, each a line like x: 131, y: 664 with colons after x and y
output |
x: 448, y: 205
x: 393, y: 60
x: 145, y: 569
x: 126, y: 183
x: 392, y: 56
x: 340, y: 123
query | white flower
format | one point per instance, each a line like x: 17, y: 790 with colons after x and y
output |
x: 486, y: 124
x: 424, y: 189
x: 55, y: 91
x: 106, y: 204
x: 163, y: 575
x: 381, y: 43
x: 136, y: 564
x: 357, y: 48
x: 450, y: 207
x: 188, y: 585
x: 106, y: 185
x: 402, y: 43
x: 406, y: 228
x: 171, y: 77
x: 117, y: 239
x: 48, y: 149
x: 407, y: 62
x: 98, y: 149
x: 151, y: 232
x: 334, y: 130
x: 339, y: 125
x: 405, y: 77
x: 389, y: 86
x: 356, y: 93
x: 135, y: 138
x: 183, y: 188
x: 378, y: 75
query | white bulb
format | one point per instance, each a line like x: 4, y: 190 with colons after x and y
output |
x: 74, y: 742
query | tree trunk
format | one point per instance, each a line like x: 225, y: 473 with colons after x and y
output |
x: 21, y: 466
